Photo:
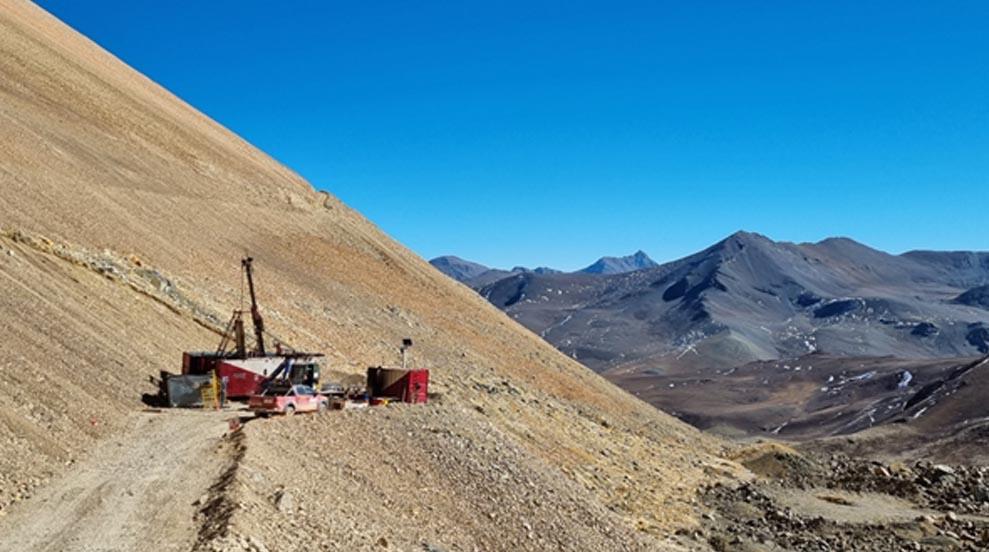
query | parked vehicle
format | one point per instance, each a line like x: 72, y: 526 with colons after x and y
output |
x: 288, y: 400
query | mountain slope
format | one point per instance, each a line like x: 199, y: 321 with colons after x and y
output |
x: 125, y: 214
x: 960, y: 268
x: 975, y: 297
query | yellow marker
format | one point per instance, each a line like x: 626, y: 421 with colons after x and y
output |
x: 211, y: 393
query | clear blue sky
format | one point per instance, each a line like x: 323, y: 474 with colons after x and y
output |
x: 550, y: 133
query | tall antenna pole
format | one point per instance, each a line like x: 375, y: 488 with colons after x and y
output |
x: 255, y: 313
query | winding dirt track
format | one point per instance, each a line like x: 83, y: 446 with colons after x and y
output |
x: 139, y: 491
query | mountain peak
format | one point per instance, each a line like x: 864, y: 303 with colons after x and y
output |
x: 842, y: 241
x: 747, y: 237
x: 618, y: 265
x: 738, y: 241
x: 457, y: 268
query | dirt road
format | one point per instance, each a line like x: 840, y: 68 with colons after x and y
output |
x: 139, y: 491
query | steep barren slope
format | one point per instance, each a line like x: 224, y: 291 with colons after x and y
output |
x: 124, y: 213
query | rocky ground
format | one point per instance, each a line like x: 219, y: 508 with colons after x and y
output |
x: 491, y: 439
x: 139, y: 489
x: 436, y: 478
x: 799, y: 502
x: 125, y: 213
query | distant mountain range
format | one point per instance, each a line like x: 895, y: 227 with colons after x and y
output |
x: 749, y: 298
x: 725, y: 337
x: 477, y: 275
x: 749, y: 305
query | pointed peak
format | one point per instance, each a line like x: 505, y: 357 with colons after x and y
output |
x: 740, y: 240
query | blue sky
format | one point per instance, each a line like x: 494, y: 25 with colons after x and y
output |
x: 551, y: 133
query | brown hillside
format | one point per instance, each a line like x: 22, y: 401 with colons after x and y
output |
x: 124, y: 213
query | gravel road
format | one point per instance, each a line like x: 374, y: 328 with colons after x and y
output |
x: 139, y: 491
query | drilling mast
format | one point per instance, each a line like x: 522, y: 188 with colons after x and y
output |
x: 255, y: 312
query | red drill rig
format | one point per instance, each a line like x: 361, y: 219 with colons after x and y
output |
x: 243, y: 371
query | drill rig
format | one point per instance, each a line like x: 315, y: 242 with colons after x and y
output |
x: 247, y: 371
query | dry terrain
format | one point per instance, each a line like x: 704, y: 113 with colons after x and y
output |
x: 818, y: 396
x: 124, y: 213
x: 138, y: 489
x: 797, y: 501
x: 796, y: 341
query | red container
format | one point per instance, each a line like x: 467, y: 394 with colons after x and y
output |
x: 410, y: 386
x: 417, y: 389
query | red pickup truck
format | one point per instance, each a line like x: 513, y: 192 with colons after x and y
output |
x: 288, y: 400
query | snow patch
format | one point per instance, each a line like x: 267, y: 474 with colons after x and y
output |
x: 904, y: 380
x: 862, y: 377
